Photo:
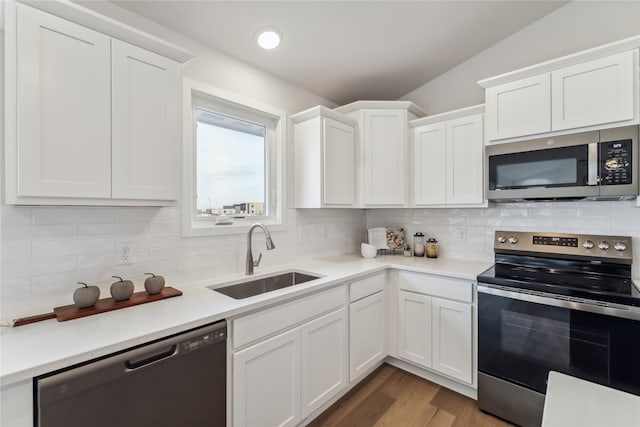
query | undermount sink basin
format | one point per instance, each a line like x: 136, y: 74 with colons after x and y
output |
x: 261, y: 285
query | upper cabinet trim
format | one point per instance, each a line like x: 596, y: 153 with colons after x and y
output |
x: 449, y: 115
x: 321, y: 110
x: 385, y: 105
x: 565, y: 61
x: 87, y: 17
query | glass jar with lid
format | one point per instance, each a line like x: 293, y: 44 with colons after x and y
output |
x: 431, y: 247
x: 418, y: 244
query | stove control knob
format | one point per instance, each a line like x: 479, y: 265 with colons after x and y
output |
x: 502, y: 239
x: 513, y: 240
x: 619, y: 246
x: 603, y: 245
x: 588, y: 244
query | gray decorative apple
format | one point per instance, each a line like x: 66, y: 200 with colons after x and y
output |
x: 122, y: 289
x: 86, y: 296
x: 154, y: 284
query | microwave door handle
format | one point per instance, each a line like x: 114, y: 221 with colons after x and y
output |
x: 592, y: 178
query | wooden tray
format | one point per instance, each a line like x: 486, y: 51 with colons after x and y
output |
x: 69, y: 312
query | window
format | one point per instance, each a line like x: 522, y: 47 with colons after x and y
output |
x: 233, y: 162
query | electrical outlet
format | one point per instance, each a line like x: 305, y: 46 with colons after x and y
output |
x: 462, y: 235
x: 124, y: 253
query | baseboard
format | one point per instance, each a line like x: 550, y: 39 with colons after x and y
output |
x: 468, y: 391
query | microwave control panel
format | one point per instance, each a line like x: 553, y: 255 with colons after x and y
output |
x: 616, y: 162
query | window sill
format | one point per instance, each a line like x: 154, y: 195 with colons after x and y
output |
x: 207, y: 228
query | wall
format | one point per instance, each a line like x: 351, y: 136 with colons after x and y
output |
x: 469, y: 233
x: 46, y: 250
x: 577, y: 26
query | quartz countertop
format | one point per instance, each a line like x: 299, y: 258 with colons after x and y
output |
x: 571, y: 401
x: 35, y: 349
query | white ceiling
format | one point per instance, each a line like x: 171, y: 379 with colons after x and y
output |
x: 349, y: 50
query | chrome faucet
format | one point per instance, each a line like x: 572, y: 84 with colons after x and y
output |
x: 250, y: 262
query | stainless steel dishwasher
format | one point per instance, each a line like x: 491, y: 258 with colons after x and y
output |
x: 176, y: 381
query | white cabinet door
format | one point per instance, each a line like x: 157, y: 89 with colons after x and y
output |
x: 452, y: 338
x: 145, y: 124
x: 385, y: 142
x: 64, y: 99
x: 414, y: 328
x: 594, y: 92
x: 429, y: 166
x: 519, y: 108
x: 324, y: 359
x: 366, y: 334
x: 465, y: 159
x: 339, y: 164
x: 266, y: 382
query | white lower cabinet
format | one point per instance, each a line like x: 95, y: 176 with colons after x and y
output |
x: 281, y: 380
x: 415, y: 331
x: 266, y: 382
x: 366, y: 334
x: 451, y: 338
x: 434, y: 332
x: 324, y: 359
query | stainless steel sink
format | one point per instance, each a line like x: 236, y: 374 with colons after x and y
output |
x: 257, y: 286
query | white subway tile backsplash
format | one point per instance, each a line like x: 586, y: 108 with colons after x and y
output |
x: 614, y: 217
x: 72, y: 215
x: 11, y: 232
x: 135, y: 228
x: 161, y: 228
x: 16, y: 215
x: 28, y: 267
x: 15, y: 250
x: 13, y: 288
x: 45, y: 251
x: 51, y: 248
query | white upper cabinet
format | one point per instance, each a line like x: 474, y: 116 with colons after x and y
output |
x: 385, y: 140
x: 145, y: 124
x: 64, y: 108
x: 589, y: 90
x: 465, y: 158
x: 325, y: 155
x: 598, y: 91
x: 429, y: 164
x: 448, y: 159
x: 519, y: 108
x: 381, y: 163
x: 96, y: 118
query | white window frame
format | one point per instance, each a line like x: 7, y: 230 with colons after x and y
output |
x: 275, y: 193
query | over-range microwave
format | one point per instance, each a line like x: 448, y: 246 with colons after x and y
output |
x: 595, y: 165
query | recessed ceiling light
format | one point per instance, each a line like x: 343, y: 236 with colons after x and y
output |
x: 268, y: 38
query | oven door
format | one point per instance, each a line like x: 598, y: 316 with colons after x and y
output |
x: 544, y: 169
x: 523, y: 336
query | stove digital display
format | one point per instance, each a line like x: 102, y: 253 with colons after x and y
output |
x: 571, y: 242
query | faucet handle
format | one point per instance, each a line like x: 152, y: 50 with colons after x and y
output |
x: 257, y: 262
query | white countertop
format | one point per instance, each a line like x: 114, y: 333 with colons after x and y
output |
x: 34, y: 349
x: 574, y: 402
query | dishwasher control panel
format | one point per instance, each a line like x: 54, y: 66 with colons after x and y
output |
x: 203, y: 341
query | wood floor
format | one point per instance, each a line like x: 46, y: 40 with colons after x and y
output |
x: 392, y: 397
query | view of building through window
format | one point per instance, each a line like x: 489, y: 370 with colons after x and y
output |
x: 230, y: 166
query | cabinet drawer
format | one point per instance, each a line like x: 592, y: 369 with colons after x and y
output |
x: 264, y: 323
x: 461, y: 290
x: 361, y: 288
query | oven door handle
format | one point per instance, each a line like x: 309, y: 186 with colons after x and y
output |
x: 561, y: 301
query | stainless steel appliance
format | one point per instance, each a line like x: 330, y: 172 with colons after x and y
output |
x: 561, y: 302
x: 588, y: 165
x: 177, y: 381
